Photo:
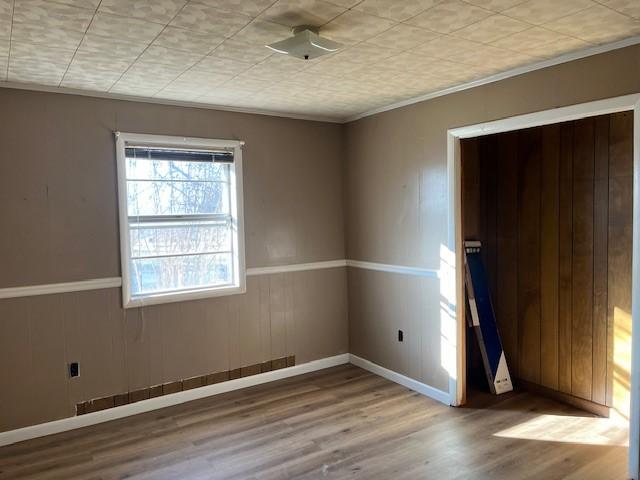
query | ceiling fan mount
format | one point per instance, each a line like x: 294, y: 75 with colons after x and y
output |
x: 306, y: 44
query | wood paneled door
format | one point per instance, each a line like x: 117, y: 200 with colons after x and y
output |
x: 552, y: 206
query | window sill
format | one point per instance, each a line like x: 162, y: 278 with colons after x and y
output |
x: 184, y: 296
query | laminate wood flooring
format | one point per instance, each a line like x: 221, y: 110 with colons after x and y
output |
x: 339, y: 423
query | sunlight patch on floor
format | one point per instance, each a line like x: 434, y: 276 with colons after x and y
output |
x: 570, y: 429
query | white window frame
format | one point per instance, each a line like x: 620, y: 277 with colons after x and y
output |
x: 236, y: 207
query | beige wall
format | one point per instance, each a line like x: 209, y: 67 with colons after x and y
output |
x: 58, y: 212
x: 396, y: 205
x: 382, y: 303
x: 301, y: 314
x: 58, y: 188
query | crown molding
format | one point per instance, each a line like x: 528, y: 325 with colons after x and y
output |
x: 568, y: 57
x: 163, y: 101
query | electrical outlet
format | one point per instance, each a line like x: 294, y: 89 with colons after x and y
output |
x: 74, y: 369
x: 400, y: 335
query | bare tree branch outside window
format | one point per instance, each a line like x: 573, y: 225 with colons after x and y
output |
x: 179, y: 224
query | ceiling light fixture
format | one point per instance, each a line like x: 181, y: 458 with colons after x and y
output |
x: 305, y: 44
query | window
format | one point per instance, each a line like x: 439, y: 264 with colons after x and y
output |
x: 181, y: 228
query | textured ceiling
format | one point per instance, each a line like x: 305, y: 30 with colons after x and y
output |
x: 212, y: 51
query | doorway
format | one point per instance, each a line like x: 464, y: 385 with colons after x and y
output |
x: 548, y: 257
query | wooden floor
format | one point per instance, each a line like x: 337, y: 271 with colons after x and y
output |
x: 338, y: 423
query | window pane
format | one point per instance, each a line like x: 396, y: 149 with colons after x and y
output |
x: 155, y: 275
x: 141, y: 169
x: 176, y: 198
x: 150, y: 239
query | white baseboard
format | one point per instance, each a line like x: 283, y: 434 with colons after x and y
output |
x: 65, y: 424
x: 403, y: 380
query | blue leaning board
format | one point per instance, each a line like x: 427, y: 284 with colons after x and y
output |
x: 483, y: 320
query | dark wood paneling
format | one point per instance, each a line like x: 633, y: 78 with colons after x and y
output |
x: 472, y: 209
x: 552, y: 207
x: 619, y: 248
x: 529, y: 159
x: 582, y: 293
x: 279, y: 363
x: 471, y: 189
x: 549, y: 261
x: 98, y: 404
x: 155, y: 391
x: 565, y: 273
x: 581, y: 403
x: 138, y: 395
x: 251, y: 370
x: 488, y: 214
x: 193, y: 382
x: 217, y: 377
x: 600, y: 257
x: 171, y: 387
x: 506, y: 304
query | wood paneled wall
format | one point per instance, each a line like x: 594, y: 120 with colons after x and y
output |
x: 553, y: 208
x: 59, y: 217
